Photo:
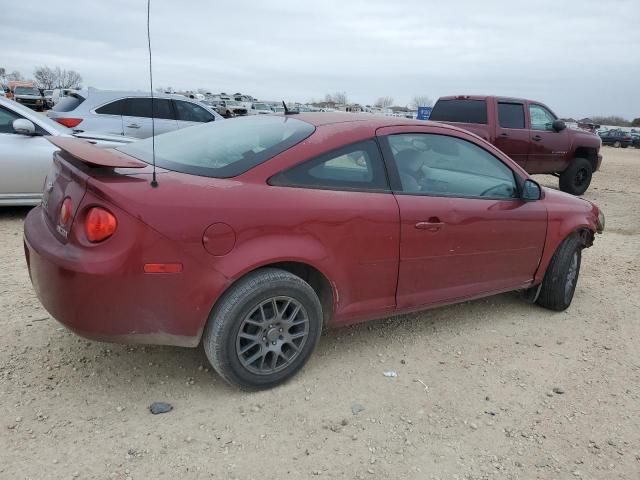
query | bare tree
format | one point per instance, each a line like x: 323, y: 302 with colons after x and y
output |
x: 611, y: 120
x: 14, y: 76
x: 45, y: 77
x: 384, y: 102
x: 3, y: 73
x: 338, y: 97
x: 421, y: 101
x: 68, y: 78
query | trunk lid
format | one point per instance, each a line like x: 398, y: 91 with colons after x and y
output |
x: 69, y: 176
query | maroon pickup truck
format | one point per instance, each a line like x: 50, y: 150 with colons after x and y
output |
x: 530, y: 133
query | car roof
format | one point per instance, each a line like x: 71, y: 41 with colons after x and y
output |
x: 370, y: 119
x: 486, y: 97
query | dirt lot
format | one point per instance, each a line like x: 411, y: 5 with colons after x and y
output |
x: 474, y: 396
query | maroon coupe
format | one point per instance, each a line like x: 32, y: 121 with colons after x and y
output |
x: 265, y: 229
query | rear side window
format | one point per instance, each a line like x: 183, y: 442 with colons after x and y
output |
x: 141, y: 107
x: 113, y: 108
x: 190, y: 112
x: 69, y: 103
x: 463, y: 111
x: 355, y: 167
x: 222, y: 149
x: 511, y: 115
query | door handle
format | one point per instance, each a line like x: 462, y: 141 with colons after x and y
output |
x: 504, y: 134
x: 133, y: 125
x: 433, y: 225
x: 537, y: 138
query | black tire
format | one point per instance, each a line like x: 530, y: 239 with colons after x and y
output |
x: 617, y: 144
x: 577, y: 177
x: 231, y: 322
x: 561, y: 277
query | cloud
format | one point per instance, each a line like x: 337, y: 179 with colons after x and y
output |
x: 580, y: 57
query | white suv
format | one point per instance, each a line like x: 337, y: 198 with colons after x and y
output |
x: 129, y: 113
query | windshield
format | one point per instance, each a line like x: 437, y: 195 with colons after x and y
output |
x: 48, y: 92
x: 232, y: 103
x: 222, y: 149
x: 26, y: 91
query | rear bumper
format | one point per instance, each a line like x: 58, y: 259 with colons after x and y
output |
x: 105, y: 295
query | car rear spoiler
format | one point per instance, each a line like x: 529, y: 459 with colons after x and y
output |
x: 92, y: 155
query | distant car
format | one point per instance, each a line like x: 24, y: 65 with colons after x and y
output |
x: 635, y: 140
x: 259, y: 108
x: 60, y: 93
x: 231, y: 108
x: 266, y: 229
x: 26, y: 156
x: 48, y: 98
x: 29, y: 97
x: 616, y: 138
x: 129, y: 113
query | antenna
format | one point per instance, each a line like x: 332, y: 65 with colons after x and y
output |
x: 286, y: 110
x: 154, y: 182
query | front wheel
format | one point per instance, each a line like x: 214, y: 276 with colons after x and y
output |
x: 617, y: 144
x: 577, y: 177
x: 264, y: 329
x: 561, y: 277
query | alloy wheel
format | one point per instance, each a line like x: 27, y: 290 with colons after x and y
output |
x: 272, y: 335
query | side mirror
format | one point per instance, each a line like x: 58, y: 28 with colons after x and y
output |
x: 558, y: 125
x: 531, y: 191
x: 23, y: 126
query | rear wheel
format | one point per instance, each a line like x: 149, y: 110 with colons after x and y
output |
x: 264, y: 329
x: 617, y: 144
x: 561, y: 277
x: 577, y: 177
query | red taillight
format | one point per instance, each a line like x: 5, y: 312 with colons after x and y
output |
x: 69, y: 122
x: 65, y: 211
x: 99, y: 224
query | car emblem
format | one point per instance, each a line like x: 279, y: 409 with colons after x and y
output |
x: 48, y: 187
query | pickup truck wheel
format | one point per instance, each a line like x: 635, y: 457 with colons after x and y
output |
x: 576, y: 179
x: 561, y: 277
x: 617, y: 144
x: 264, y: 329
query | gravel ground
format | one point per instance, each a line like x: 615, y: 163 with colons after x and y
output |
x: 493, y: 388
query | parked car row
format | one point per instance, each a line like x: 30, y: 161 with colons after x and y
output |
x: 616, y: 138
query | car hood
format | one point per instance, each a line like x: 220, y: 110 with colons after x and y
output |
x: 553, y: 196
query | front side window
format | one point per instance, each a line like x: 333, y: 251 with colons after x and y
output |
x: 541, y: 118
x: 222, y: 149
x: 441, y: 165
x: 355, y: 167
x: 190, y: 112
x: 511, y: 115
x: 141, y: 107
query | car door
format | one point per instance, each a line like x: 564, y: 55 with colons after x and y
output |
x: 463, y: 230
x: 352, y: 212
x: 24, y: 161
x: 512, y: 135
x: 189, y: 114
x: 137, y: 118
x: 548, y: 147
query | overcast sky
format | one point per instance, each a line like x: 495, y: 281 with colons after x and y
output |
x: 580, y: 57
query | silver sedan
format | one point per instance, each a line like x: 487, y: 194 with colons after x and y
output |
x: 26, y: 154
